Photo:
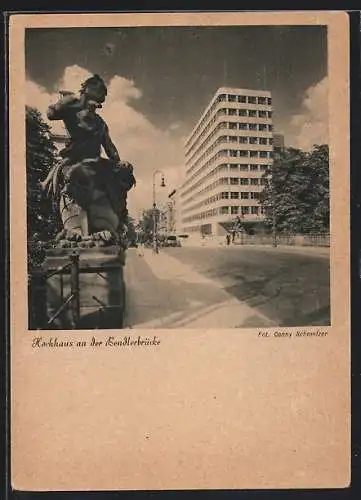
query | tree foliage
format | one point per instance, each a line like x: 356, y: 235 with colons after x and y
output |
x: 42, y: 219
x: 296, y: 197
x: 147, y: 221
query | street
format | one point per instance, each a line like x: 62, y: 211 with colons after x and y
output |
x: 227, y: 287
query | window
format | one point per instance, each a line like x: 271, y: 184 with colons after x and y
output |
x: 262, y: 100
x: 269, y: 101
x: 243, y: 126
x: 253, y: 140
x: 253, y: 154
x: 263, y: 154
x: 242, y: 112
x: 270, y: 128
x: 244, y: 196
x: 224, y: 210
x: 270, y: 142
x: 254, y: 196
x: 254, y: 182
x: 232, y: 98
x: 243, y: 168
x: 232, y: 112
x: 245, y: 210
x: 243, y: 140
x: 234, y: 195
x: 222, y: 98
x: 254, y: 210
x: 233, y: 126
x: 263, y: 168
x: 242, y: 98
x: 224, y: 195
x: 269, y: 114
x: 243, y: 153
x: 252, y: 113
x: 262, y: 126
x: 252, y: 100
x: 253, y: 126
x: 234, y: 210
x: 233, y: 153
x: 244, y: 181
x: 232, y: 138
x: 234, y: 167
x: 254, y: 168
x: 234, y: 181
x: 223, y: 180
x: 262, y: 140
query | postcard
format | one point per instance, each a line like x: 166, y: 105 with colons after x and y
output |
x: 179, y: 268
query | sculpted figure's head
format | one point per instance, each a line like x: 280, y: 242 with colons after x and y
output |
x: 94, y: 89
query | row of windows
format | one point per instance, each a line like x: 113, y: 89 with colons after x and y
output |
x: 240, y: 167
x: 244, y: 210
x: 251, y: 113
x: 243, y: 139
x: 254, y: 128
x: 226, y: 195
x: 263, y: 100
x: 209, y: 118
x: 236, y: 195
x: 233, y: 210
x: 243, y: 181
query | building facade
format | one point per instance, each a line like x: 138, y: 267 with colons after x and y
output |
x: 227, y: 155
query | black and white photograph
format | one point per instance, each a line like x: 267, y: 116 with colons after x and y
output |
x: 177, y: 177
x: 179, y: 251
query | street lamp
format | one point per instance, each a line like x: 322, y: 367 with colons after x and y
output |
x: 162, y: 184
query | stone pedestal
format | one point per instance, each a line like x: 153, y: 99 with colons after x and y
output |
x: 99, y: 278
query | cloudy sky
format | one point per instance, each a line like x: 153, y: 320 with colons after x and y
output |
x: 161, y: 79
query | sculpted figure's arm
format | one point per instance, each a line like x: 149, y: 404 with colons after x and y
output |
x: 109, y: 147
x: 66, y: 102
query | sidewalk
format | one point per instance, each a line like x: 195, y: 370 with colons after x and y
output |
x: 170, y: 294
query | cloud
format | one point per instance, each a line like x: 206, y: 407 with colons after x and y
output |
x: 310, y: 126
x: 138, y: 140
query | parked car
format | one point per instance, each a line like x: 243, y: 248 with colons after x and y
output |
x: 172, y: 241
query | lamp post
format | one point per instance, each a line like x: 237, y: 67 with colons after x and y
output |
x: 155, y: 239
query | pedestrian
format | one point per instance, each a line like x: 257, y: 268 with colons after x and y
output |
x: 141, y: 245
x: 228, y: 238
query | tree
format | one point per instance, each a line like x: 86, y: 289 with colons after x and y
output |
x: 131, y: 231
x: 42, y: 218
x: 296, y: 197
x: 147, y: 221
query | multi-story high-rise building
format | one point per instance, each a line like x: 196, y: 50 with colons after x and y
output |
x: 227, y: 155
